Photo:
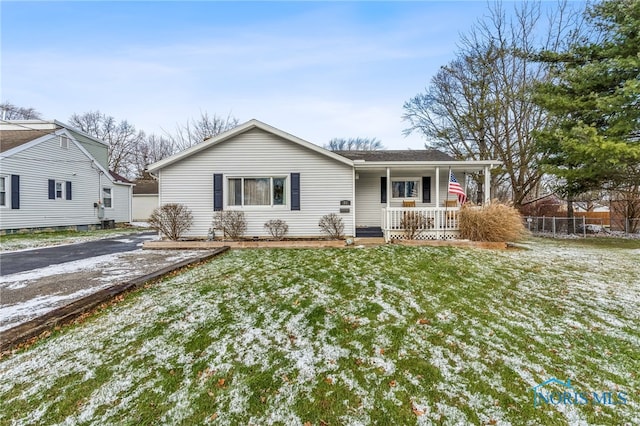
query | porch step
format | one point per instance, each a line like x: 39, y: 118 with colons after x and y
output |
x: 369, y: 232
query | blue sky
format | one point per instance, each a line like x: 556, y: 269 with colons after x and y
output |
x: 317, y: 70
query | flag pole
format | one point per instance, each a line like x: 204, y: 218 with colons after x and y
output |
x: 465, y: 188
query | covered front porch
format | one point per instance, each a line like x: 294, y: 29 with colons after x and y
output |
x: 410, y: 199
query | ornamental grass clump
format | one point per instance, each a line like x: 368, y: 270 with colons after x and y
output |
x: 495, y: 222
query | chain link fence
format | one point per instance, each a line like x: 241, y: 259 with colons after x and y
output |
x: 558, y: 226
x: 579, y: 226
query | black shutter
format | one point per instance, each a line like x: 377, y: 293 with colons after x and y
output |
x: 426, y: 189
x: 295, y: 191
x: 217, y: 192
x: 15, y: 192
x: 52, y: 189
x: 383, y: 189
x: 68, y: 191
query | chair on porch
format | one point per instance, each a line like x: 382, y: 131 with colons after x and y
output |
x: 407, y: 216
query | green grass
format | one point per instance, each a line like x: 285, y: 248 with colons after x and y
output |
x: 388, y: 335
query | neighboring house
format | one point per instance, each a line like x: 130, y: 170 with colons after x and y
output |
x: 145, y: 199
x: 270, y: 174
x: 54, y: 176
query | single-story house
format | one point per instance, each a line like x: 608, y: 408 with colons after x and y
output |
x: 145, y: 199
x: 270, y: 174
x: 54, y: 176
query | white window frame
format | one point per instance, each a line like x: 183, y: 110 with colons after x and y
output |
x: 61, y: 197
x: 271, y: 205
x: 64, y: 142
x: 110, y: 188
x: 6, y: 180
x: 407, y: 179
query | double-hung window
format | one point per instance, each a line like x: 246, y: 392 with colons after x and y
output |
x: 107, y: 199
x: 257, y: 191
x: 3, y: 191
x: 405, y: 188
x: 58, y: 189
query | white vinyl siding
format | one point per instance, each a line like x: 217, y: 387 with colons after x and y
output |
x: 43, y: 161
x: 324, y: 182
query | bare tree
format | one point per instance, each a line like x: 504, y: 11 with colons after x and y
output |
x: 151, y: 149
x: 354, y: 144
x: 122, y: 137
x: 9, y: 111
x: 195, y: 131
x: 479, y: 105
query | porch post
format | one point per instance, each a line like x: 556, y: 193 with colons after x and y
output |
x: 437, y: 221
x: 487, y: 185
x: 437, y: 186
x: 388, y: 187
x: 387, y: 221
x: 353, y: 202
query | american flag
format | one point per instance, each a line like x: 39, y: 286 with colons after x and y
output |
x: 455, y: 188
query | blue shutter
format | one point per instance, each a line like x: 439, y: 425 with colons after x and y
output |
x: 52, y: 189
x: 68, y: 191
x: 217, y: 192
x: 426, y: 189
x: 15, y: 192
x: 383, y: 189
x: 295, y: 191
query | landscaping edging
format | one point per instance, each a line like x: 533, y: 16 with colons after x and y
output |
x: 65, y: 314
x: 200, y: 245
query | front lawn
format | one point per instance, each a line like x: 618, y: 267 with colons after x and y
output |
x: 387, y: 335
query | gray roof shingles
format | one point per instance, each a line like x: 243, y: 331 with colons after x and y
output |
x: 10, y: 139
x: 397, y: 155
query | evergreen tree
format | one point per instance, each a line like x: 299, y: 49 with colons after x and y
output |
x: 593, y: 138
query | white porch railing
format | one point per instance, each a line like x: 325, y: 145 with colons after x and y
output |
x: 430, y: 223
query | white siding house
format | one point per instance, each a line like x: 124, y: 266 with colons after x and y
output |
x: 51, y: 180
x: 304, y: 182
x: 270, y: 174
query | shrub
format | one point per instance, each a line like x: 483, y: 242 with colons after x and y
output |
x: 171, y: 220
x: 495, y: 222
x: 331, y: 224
x: 231, y: 222
x: 413, y: 223
x: 277, y: 228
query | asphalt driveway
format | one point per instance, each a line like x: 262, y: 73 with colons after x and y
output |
x: 21, y: 261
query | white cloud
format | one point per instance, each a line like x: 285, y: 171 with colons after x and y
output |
x: 318, y: 75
